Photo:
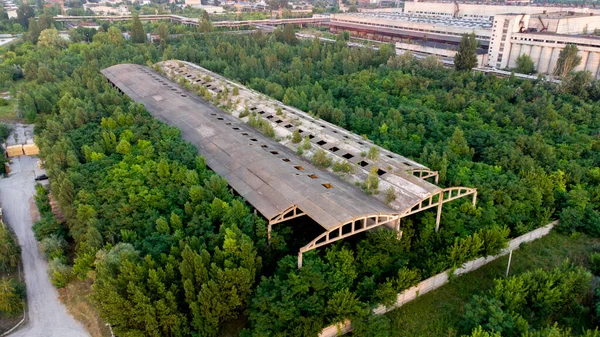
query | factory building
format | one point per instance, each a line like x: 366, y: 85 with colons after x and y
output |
x: 504, y: 31
x: 453, y: 9
x: 542, y: 37
x: 397, y: 26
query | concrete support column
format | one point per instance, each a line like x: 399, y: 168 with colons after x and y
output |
x: 553, y: 59
x: 299, y: 259
x: 475, y: 199
x: 438, y: 217
x: 269, y: 232
x: 584, y: 59
x: 544, y: 61
x: 593, y: 63
x: 511, y: 57
x: 536, y: 52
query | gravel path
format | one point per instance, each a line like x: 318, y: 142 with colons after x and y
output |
x: 47, y: 316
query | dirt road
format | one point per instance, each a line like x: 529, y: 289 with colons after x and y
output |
x: 47, y: 316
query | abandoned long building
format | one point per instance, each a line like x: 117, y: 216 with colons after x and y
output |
x: 278, y: 182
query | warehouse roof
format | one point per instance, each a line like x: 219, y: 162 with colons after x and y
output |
x: 271, y: 177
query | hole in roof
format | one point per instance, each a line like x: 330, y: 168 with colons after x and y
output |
x: 363, y: 163
x: 261, y: 112
x: 311, y: 136
x: 299, y: 168
x: 254, y: 139
x: 321, y: 142
x: 278, y: 121
x: 228, y: 123
x: 236, y: 129
x: 286, y: 160
x: 334, y: 149
x: 348, y: 156
x: 244, y: 133
x: 313, y: 176
x: 361, y: 143
x: 173, y: 89
x: 213, y: 114
x: 300, y: 130
x: 264, y: 146
x: 197, y: 81
x: 220, y: 118
x: 323, y: 126
x: 407, y: 163
x: 380, y: 172
x: 270, y: 116
x: 183, y: 96
x: 389, y: 156
x: 327, y: 186
x: 253, y: 108
x: 346, y: 137
x: 287, y: 126
x: 335, y: 131
x: 165, y: 84
x: 274, y: 152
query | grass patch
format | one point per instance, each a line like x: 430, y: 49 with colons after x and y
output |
x: 75, y: 296
x: 8, y: 112
x: 439, y: 313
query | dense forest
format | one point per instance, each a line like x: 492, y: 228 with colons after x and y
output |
x: 173, y: 252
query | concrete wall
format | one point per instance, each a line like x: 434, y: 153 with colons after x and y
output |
x: 439, y: 280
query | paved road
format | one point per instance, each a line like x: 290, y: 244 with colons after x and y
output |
x: 47, y: 316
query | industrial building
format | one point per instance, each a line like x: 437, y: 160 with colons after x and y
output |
x: 504, y: 31
x: 397, y: 26
x: 268, y: 172
x: 542, y: 37
x: 480, y: 11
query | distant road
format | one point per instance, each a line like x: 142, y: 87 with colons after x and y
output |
x: 47, y: 316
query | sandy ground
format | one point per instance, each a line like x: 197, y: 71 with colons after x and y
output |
x: 47, y: 317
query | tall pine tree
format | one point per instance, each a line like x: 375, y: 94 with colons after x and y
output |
x: 137, y: 30
x: 466, y: 57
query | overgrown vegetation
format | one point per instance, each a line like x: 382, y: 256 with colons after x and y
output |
x: 173, y: 252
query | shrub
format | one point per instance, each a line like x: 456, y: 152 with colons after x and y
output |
x: 342, y: 166
x: 595, y: 263
x: 464, y: 249
x: 53, y: 247
x: 47, y: 226
x: 296, y: 137
x: 494, y: 239
x: 11, y: 302
x: 10, y: 253
x: 60, y: 273
x: 320, y: 159
x: 306, y: 145
x: 373, y: 153
x: 390, y: 195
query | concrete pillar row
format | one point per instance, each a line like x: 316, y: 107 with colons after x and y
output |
x: 536, y: 53
x: 553, y: 59
x: 584, y: 59
x: 544, y: 62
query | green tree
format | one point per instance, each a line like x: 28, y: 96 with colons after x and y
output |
x: 10, y: 255
x: 289, y: 34
x: 567, y: 60
x: 33, y: 33
x: 466, y: 57
x: 24, y: 14
x: 137, y: 30
x: 525, y: 64
x: 10, y: 302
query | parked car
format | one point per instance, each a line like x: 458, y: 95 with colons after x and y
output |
x: 41, y: 177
